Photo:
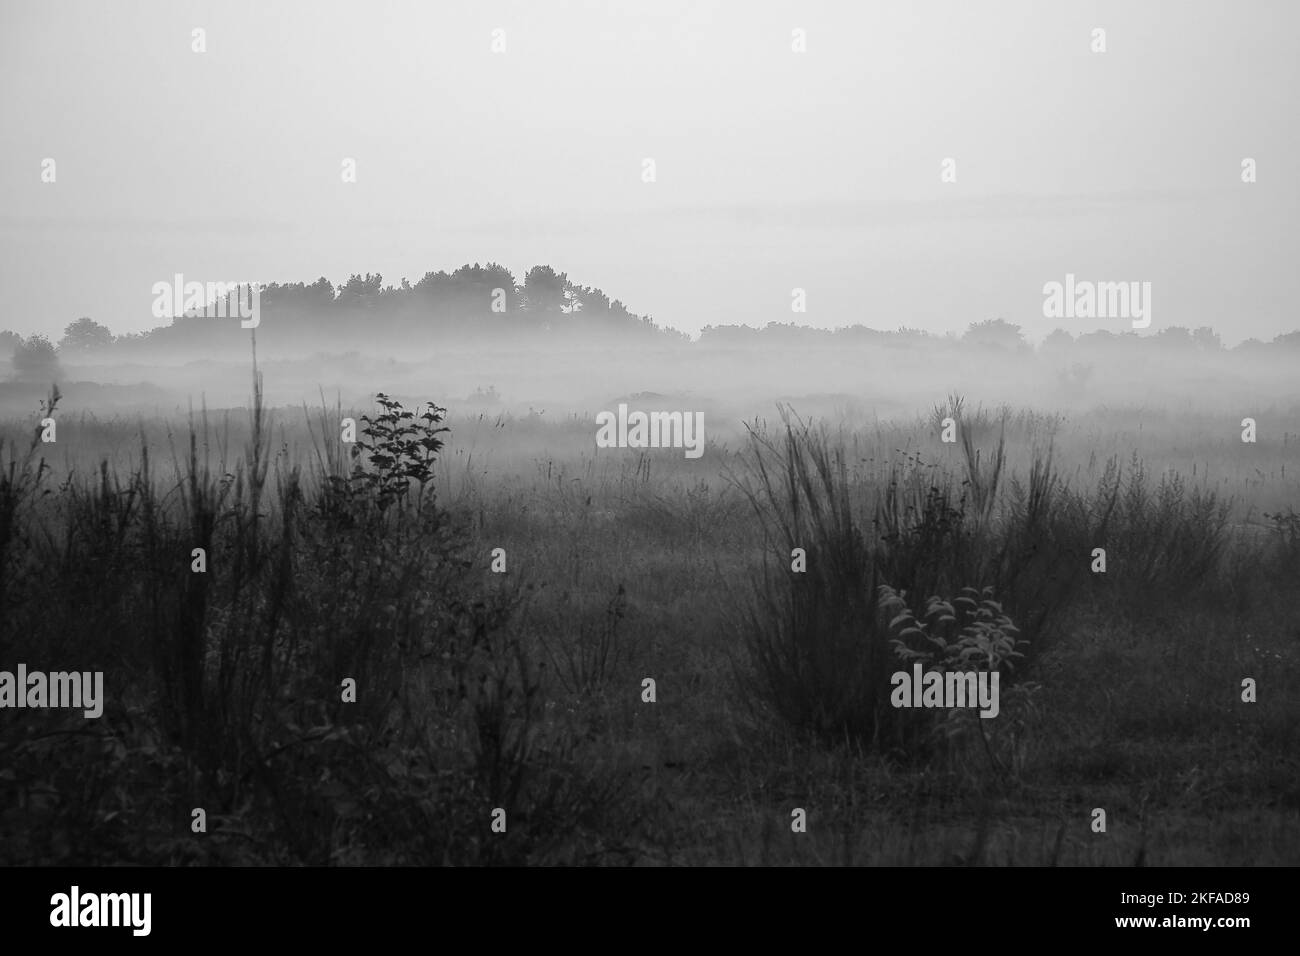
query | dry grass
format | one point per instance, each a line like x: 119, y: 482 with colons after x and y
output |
x: 625, y: 566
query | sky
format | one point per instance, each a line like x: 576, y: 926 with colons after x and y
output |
x: 774, y: 169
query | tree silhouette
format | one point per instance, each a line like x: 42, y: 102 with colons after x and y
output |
x: 35, y: 358
x: 544, y: 290
x: 1057, y: 341
x: 994, y: 333
x: 1207, y: 339
x: 1175, y: 337
x: 85, y: 335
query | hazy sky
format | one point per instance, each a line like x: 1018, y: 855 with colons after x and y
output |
x: 775, y: 169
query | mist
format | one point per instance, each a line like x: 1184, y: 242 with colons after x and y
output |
x: 649, y: 434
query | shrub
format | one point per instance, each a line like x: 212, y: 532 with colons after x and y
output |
x: 970, y: 632
x: 35, y: 358
x: 224, y: 688
x: 818, y: 655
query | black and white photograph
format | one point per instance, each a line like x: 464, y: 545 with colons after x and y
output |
x: 652, y: 433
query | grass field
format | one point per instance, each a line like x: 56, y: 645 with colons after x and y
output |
x: 523, y: 690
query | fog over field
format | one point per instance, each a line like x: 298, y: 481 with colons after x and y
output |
x: 650, y: 434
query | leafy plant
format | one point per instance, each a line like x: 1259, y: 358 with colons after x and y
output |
x: 396, y: 449
x: 970, y: 632
x: 399, y: 447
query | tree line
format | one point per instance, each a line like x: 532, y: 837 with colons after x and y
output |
x: 484, y: 305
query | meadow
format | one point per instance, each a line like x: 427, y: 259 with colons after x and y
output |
x: 525, y: 688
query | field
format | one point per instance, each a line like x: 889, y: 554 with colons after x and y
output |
x: 524, y: 690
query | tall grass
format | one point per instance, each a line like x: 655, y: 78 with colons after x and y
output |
x: 227, y: 608
x: 819, y: 660
x: 523, y: 690
x: 819, y: 655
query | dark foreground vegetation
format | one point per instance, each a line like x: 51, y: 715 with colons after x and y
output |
x: 225, y: 688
